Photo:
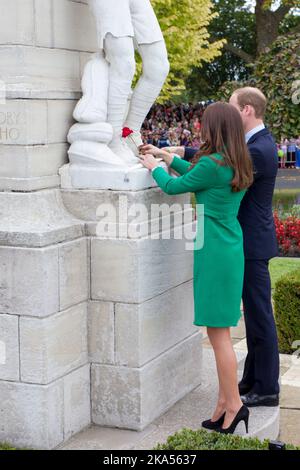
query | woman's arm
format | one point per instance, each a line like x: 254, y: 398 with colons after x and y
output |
x: 179, y: 165
x: 201, y: 176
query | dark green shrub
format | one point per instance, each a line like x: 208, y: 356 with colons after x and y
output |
x: 188, y: 439
x: 277, y: 74
x: 287, y: 310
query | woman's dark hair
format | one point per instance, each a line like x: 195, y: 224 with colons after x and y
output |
x: 222, y: 132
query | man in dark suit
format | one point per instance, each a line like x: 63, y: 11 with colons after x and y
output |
x: 260, y: 382
x: 259, y: 385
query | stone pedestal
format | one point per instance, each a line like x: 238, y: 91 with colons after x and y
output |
x: 95, y: 328
x: 134, y: 178
x: 44, y: 292
x: 144, y: 350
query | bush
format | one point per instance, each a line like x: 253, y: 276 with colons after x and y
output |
x: 287, y: 310
x: 188, y: 439
x: 277, y: 74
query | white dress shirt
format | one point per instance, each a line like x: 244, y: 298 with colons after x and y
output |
x: 253, y: 131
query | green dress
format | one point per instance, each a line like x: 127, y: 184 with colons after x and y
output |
x: 219, y: 263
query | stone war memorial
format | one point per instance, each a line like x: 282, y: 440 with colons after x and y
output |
x: 96, y: 305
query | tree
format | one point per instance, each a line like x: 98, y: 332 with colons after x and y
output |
x: 184, y: 24
x: 268, y: 21
x: 237, y: 23
x: 268, y: 25
x: 277, y: 74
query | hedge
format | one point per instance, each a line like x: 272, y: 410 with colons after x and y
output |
x: 287, y: 311
x: 188, y: 439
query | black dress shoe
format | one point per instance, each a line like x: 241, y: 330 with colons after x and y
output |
x: 253, y: 399
x: 244, y: 388
x: 209, y: 424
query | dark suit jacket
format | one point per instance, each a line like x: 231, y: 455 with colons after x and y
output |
x: 255, y: 214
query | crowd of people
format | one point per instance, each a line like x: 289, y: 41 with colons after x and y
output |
x: 180, y: 124
x: 173, y: 125
x: 289, y: 153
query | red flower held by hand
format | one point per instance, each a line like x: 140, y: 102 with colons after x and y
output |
x: 126, y: 132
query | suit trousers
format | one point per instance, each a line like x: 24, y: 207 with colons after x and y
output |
x: 261, y: 371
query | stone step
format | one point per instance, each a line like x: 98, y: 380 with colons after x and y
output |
x: 188, y: 412
x: 36, y: 219
x: 263, y: 421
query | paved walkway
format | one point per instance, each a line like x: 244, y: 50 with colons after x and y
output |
x: 288, y: 179
x: 187, y: 412
x: 290, y: 390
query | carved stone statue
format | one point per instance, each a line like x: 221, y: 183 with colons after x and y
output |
x: 109, y: 116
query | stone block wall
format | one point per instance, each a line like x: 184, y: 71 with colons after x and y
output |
x: 44, y: 45
x: 44, y: 254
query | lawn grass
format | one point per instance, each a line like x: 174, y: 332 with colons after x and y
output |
x: 280, y: 266
x: 285, y: 196
x: 283, y: 199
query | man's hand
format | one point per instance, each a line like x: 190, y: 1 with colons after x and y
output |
x: 148, y: 148
x: 151, y: 149
x: 178, y: 150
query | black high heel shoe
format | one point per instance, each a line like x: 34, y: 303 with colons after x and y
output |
x: 242, y: 415
x: 209, y: 424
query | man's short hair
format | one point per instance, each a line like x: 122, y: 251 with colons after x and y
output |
x: 253, y: 97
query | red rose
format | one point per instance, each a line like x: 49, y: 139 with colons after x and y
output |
x: 126, y: 132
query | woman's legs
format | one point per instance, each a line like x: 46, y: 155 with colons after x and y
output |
x: 229, y: 397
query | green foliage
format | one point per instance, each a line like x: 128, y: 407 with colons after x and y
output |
x: 277, y: 74
x: 184, y: 25
x: 236, y: 23
x: 188, y: 439
x: 287, y: 310
x: 285, y: 199
x: 280, y: 266
x: 270, y: 3
x: 226, y: 90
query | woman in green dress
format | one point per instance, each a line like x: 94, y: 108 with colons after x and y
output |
x: 219, y: 175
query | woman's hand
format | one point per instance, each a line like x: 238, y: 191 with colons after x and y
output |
x: 149, y: 161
